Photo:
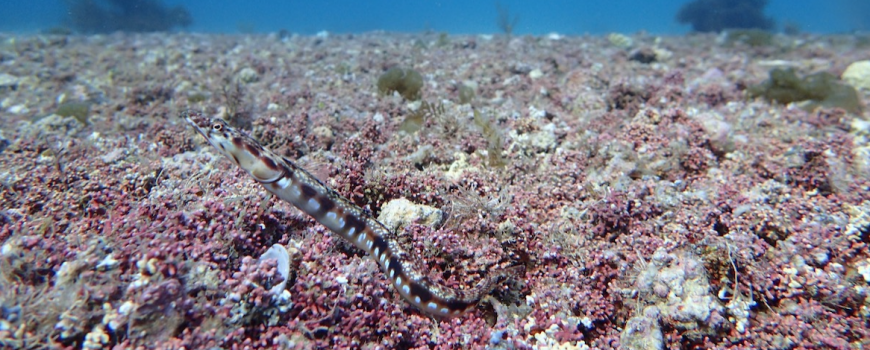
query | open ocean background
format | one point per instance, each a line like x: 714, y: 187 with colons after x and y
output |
x: 453, y: 16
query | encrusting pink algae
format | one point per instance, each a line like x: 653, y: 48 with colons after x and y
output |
x: 636, y: 195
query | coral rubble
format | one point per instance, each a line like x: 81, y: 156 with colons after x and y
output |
x: 652, y: 202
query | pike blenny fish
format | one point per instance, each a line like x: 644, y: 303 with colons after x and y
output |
x: 289, y: 182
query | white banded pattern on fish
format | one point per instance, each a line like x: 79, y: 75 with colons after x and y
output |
x: 293, y: 184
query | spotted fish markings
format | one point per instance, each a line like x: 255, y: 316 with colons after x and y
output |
x: 293, y: 184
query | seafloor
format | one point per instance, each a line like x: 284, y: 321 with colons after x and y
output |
x: 651, y: 201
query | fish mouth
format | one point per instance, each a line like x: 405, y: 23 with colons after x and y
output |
x: 198, y: 121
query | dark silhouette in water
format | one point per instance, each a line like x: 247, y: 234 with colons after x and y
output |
x: 106, y: 16
x: 505, y: 21
x: 718, y: 15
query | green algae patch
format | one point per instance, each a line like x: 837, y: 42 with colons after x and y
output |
x: 751, y: 37
x: 407, y: 82
x: 494, y: 140
x: 819, y: 89
x: 415, y: 121
x: 466, y: 94
x: 78, y: 110
x: 197, y: 97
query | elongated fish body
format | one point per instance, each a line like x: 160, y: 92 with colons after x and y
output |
x: 293, y: 184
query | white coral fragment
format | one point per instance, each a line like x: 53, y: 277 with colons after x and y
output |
x: 676, y: 283
x: 96, y: 338
x: 280, y: 254
x: 401, y: 212
x: 739, y: 308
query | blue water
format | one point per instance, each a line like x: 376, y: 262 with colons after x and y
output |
x: 454, y: 16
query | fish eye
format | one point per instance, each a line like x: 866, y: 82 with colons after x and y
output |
x: 217, y: 127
